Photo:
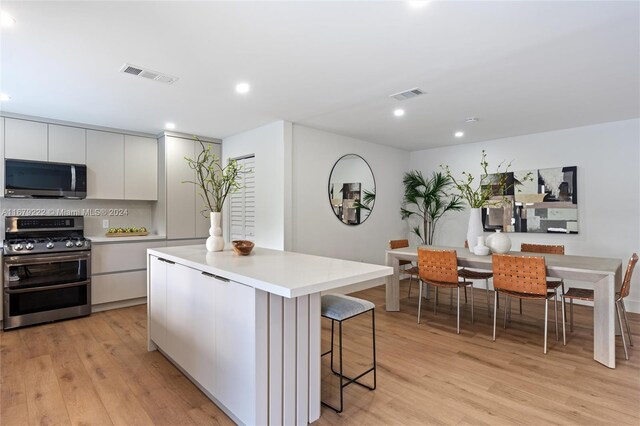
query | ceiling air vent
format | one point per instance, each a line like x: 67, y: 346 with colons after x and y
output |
x: 407, y: 94
x: 148, y: 74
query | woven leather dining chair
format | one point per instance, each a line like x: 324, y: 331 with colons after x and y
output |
x: 439, y: 268
x: 412, y: 270
x: 587, y: 294
x: 552, y: 283
x: 468, y: 274
x: 521, y: 277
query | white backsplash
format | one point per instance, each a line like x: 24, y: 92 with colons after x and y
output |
x: 120, y: 213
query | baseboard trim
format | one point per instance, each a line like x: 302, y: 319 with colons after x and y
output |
x: 119, y: 304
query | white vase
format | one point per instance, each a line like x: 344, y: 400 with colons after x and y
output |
x: 215, y: 242
x: 475, y: 227
x: 499, y: 242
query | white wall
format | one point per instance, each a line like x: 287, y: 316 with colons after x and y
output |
x: 271, y: 145
x: 316, y: 230
x: 607, y: 156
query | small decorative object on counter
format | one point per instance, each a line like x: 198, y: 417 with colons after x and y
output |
x: 499, y: 242
x: 242, y: 247
x: 127, y: 232
x: 481, y: 249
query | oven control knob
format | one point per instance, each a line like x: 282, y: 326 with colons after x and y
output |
x: 17, y: 247
x: 50, y: 245
x: 79, y: 243
x: 69, y: 244
x: 29, y: 246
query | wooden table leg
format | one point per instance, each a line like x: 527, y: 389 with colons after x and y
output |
x: 393, y: 284
x: 604, y: 318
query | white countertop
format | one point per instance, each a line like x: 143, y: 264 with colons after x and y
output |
x: 283, y: 273
x: 104, y: 239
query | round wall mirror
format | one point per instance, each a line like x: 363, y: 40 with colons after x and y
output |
x: 352, y: 189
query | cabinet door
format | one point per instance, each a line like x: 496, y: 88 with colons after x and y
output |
x: 235, y: 349
x: 181, y: 197
x: 105, y: 165
x: 67, y: 144
x: 203, y: 367
x: 157, y: 300
x: 181, y: 324
x: 26, y: 140
x: 119, y: 286
x: 203, y: 222
x: 140, y: 168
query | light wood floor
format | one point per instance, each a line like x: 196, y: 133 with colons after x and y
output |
x: 97, y: 370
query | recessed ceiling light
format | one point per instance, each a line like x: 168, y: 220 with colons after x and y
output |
x: 398, y: 112
x: 417, y: 4
x: 4, y: 97
x: 6, y: 20
x: 458, y: 134
x: 169, y: 126
x: 471, y: 120
x: 243, y: 87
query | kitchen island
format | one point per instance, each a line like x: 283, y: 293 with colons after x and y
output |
x: 246, y: 329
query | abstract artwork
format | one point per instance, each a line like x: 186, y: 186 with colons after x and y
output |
x: 540, y: 200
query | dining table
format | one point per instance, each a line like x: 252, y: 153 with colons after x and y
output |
x: 603, y: 273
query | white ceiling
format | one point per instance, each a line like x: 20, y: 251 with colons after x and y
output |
x: 520, y: 67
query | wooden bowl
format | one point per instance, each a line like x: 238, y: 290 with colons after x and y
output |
x: 242, y: 247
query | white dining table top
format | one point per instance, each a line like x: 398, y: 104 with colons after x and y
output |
x: 583, y: 264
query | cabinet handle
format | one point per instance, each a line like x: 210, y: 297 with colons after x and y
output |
x: 226, y: 280
x: 206, y: 274
x: 170, y: 262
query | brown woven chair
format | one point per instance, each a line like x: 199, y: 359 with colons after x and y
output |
x: 439, y: 268
x: 411, y: 270
x: 552, y: 283
x: 468, y: 274
x: 521, y: 277
x: 585, y: 294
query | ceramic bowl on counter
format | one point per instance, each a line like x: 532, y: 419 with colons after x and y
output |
x: 242, y: 247
x: 481, y: 250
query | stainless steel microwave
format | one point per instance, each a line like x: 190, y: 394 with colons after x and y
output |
x: 43, y: 179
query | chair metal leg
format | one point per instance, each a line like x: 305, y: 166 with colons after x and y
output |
x: 410, y: 282
x: 571, y: 315
x: 458, y: 310
x: 626, y: 321
x: 520, y: 306
x: 420, y: 283
x: 373, y: 336
x: 546, y: 314
x: 555, y: 312
x: 495, y: 313
x: 471, y: 291
x: 332, y: 333
x: 486, y: 286
x: 465, y: 292
x: 564, y: 332
x: 562, y: 281
x: 341, y: 387
x: 506, y: 308
x: 624, y: 342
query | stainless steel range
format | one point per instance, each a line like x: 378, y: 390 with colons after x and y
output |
x: 47, y: 270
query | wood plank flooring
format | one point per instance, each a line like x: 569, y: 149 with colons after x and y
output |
x: 97, y: 371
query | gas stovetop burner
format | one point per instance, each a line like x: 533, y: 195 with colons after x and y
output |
x: 44, y: 235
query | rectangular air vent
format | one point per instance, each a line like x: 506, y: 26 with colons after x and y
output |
x: 407, y: 94
x: 148, y: 74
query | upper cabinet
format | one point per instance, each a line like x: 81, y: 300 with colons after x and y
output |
x: 140, y: 168
x: 67, y: 144
x: 105, y: 165
x: 25, y: 140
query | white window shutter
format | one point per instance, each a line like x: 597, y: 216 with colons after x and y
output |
x: 243, y: 203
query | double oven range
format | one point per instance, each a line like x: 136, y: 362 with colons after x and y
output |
x: 46, y: 270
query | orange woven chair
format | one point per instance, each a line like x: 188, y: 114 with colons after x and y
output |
x: 585, y: 294
x: 412, y: 270
x: 439, y: 268
x: 468, y: 274
x: 521, y: 277
x: 552, y: 283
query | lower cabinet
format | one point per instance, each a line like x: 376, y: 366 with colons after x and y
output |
x: 118, y: 287
x: 207, y: 326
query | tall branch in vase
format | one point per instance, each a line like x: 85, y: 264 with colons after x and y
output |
x: 428, y: 200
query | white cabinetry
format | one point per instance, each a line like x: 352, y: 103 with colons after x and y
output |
x: 105, y: 165
x: 157, y: 300
x: 140, y: 168
x: 67, y: 144
x: 183, y: 202
x: 26, y: 140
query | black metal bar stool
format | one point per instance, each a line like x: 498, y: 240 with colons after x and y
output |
x: 339, y: 308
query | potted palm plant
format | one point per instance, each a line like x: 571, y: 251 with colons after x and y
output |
x: 215, y: 183
x: 427, y: 199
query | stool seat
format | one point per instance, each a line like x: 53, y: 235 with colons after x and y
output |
x: 339, y: 307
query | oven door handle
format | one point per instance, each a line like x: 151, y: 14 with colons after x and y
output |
x: 22, y: 261
x: 44, y: 288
